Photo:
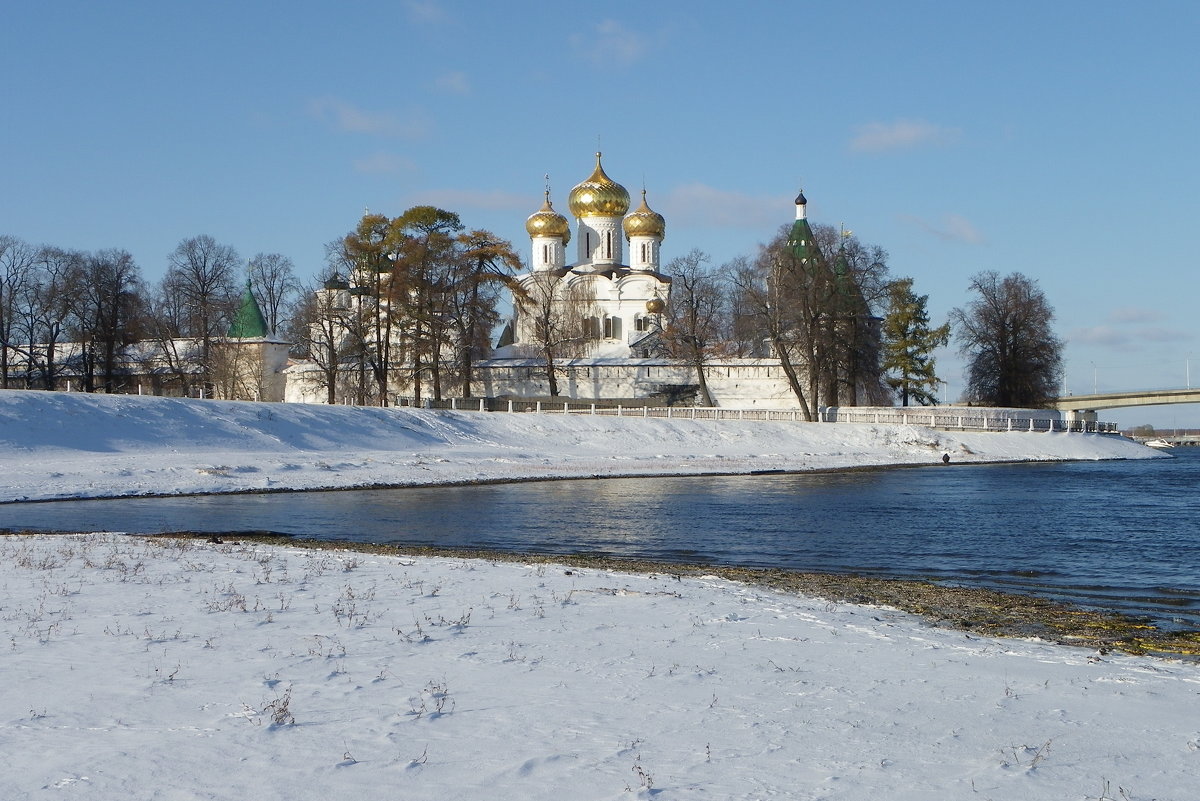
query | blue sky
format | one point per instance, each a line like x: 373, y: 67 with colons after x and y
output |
x: 1057, y: 139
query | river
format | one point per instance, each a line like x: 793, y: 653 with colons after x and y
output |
x: 1115, y: 535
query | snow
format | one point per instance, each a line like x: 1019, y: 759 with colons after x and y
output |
x: 67, y: 445
x: 178, y: 669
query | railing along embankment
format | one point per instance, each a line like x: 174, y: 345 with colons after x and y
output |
x: 949, y: 418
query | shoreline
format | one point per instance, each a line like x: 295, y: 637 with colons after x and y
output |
x: 984, y: 612
x: 483, y: 482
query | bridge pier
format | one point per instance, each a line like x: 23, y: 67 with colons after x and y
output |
x: 1080, y: 415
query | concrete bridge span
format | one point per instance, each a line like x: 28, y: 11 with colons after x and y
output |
x: 1120, y: 400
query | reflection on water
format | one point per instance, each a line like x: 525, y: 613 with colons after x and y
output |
x: 1123, y: 535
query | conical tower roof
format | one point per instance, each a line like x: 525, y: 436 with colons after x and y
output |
x: 249, y: 322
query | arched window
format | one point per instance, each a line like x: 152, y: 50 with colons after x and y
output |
x: 608, y: 244
x: 612, y: 327
x: 639, y: 323
x: 591, y: 328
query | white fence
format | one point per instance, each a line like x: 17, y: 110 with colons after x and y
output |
x: 956, y: 418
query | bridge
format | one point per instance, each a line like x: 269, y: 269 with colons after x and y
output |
x: 1120, y: 400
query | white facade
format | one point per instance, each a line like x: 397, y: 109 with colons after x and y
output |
x: 624, y: 301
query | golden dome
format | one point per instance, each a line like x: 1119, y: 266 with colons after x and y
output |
x: 548, y: 222
x: 598, y: 196
x: 645, y: 222
x: 655, y: 305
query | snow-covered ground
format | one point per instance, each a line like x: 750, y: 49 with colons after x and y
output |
x: 177, y: 669
x: 141, y: 668
x: 64, y: 445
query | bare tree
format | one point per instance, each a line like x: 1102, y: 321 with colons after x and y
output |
x: 48, y: 311
x: 853, y: 332
x: 552, y: 313
x: 17, y: 261
x: 106, y: 295
x: 165, y: 318
x: 203, y: 274
x: 1014, y: 357
x: 766, y: 314
x: 322, y: 331
x: 696, y: 316
x: 811, y: 294
x: 273, y: 280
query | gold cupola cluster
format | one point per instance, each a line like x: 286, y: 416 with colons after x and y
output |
x: 645, y: 222
x: 598, y: 196
x: 548, y: 222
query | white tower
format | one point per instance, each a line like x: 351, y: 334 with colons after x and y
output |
x: 599, y: 203
x: 646, y: 230
x: 550, y: 232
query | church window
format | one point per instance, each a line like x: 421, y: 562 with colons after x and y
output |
x: 612, y: 327
x: 545, y: 254
x: 591, y: 328
x: 608, y: 244
x: 639, y: 323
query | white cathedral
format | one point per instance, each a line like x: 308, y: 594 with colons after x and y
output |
x: 613, y: 302
x: 626, y: 297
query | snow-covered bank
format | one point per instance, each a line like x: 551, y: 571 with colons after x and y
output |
x: 176, y: 669
x: 63, y: 445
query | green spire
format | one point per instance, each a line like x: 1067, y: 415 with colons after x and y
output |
x: 800, y: 240
x: 249, y: 322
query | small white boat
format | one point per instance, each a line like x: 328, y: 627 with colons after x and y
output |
x: 1157, y: 443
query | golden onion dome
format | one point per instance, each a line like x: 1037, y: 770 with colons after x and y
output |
x: 548, y: 222
x: 598, y: 196
x: 656, y: 305
x: 645, y: 222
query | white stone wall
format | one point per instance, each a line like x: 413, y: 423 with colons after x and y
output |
x: 734, y: 383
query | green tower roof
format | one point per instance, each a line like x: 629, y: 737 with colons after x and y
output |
x: 249, y: 322
x: 800, y: 240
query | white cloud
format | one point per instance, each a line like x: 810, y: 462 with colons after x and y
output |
x: 610, y: 43
x: 1133, y: 314
x: 480, y: 199
x: 454, y: 83
x: 347, y: 117
x: 879, y: 137
x: 384, y: 164
x: 1167, y: 335
x: 426, y: 11
x: 698, y: 204
x: 1126, y: 339
x: 1101, y: 335
x: 951, y: 228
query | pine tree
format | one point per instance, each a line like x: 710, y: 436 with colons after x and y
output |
x: 908, y: 343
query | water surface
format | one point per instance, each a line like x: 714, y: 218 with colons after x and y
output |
x: 1118, y: 535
